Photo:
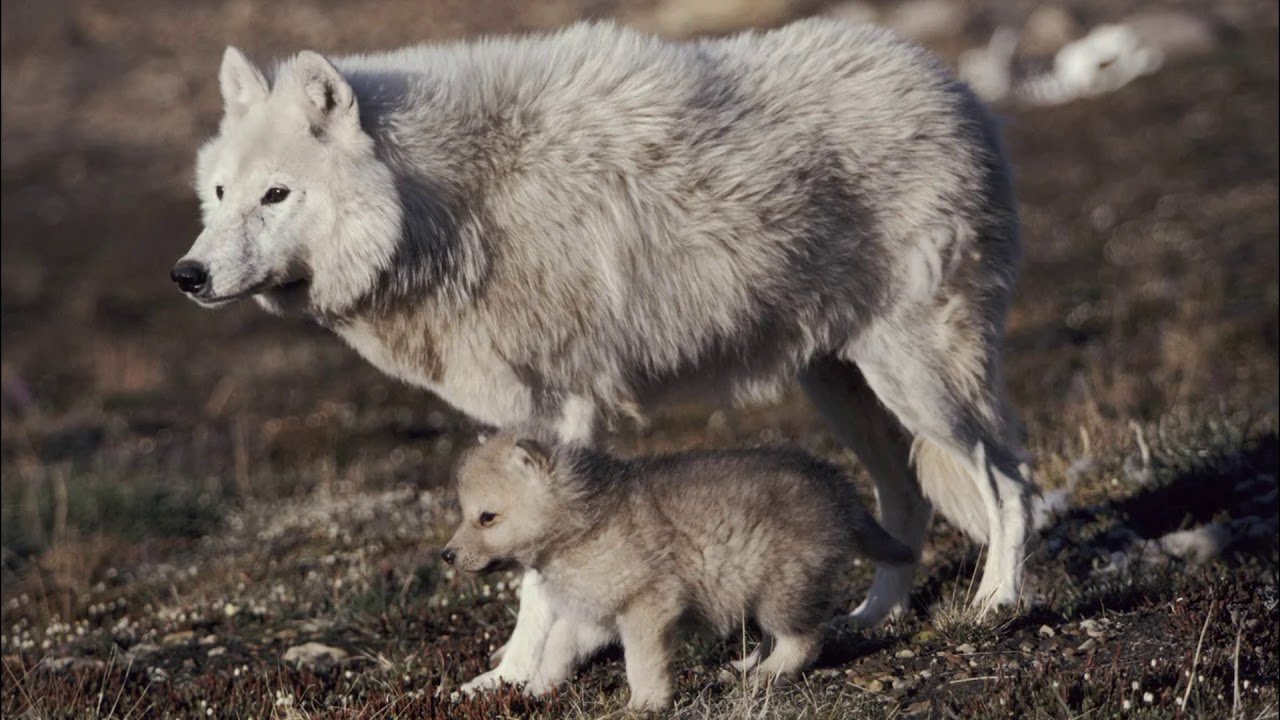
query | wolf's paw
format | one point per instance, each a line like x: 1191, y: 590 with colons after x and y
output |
x: 995, y: 600
x: 482, y: 682
x: 538, y: 686
x: 868, y: 615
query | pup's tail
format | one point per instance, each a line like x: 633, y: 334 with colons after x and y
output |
x: 876, y: 543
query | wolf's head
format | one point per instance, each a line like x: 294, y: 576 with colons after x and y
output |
x: 298, y: 211
x: 511, y: 507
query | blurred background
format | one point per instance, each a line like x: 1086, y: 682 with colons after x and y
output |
x: 140, y: 431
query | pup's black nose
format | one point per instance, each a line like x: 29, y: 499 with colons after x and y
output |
x: 190, y: 275
x: 449, y: 555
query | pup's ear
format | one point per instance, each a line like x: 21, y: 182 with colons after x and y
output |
x: 242, y: 83
x: 331, y: 102
x: 534, y: 453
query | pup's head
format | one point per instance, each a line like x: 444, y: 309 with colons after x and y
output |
x: 298, y: 211
x: 510, y: 507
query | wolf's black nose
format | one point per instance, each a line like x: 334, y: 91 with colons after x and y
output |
x: 190, y: 275
x: 449, y: 555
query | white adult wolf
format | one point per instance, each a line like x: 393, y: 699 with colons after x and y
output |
x: 558, y: 229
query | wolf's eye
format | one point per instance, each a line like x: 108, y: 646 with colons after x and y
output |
x: 217, y: 190
x: 487, y: 519
x: 275, y: 195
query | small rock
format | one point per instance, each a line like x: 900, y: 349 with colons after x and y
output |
x: 966, y: 649
x: 904, y: 654
x: 1090, y: 628
x: 919, y: 708
x: 209, y: 640
x: 1087, y: 645
x: 1197, y: 544
x: 1046, y: 631
x: 875, y: 686
x: 182, y: 637
x: 216, y: 651
x: 925, y: 674
x: 313, y: 655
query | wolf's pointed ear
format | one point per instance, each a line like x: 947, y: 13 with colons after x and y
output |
x: 242, y: 83
x: 534, y: 453
x: 330, y: 99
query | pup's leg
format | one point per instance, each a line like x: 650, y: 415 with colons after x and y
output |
x: 568, y: 644
x: 792, y: 652
x: 753, y: 659
x: 792, y: 612
x: 856, y: 416
x: 523, y: 652
x: 646, y: 629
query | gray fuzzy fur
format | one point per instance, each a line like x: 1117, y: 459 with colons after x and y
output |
x: 635, y: 545
x: 560, y: 229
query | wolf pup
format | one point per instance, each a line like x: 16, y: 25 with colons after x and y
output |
x: 556, y: 230
x: 634, y: 546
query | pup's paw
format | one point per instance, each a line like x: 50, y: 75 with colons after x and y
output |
x: 652, y: 703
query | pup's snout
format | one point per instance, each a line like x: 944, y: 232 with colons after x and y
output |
x: 190, y: 275
x: 449, y: 555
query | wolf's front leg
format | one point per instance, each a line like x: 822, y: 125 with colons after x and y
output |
x: 520, y: 658
x: 570, y: 643
x: 523, y: 652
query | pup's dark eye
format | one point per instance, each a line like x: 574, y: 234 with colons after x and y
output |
x: 217, y: 190
x: 487, y: 519
x: 275, y: 195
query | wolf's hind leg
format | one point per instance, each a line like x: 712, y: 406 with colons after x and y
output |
x: 942, y: 381
x: 841, y: 394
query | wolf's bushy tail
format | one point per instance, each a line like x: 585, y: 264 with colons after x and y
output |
x: 872, y: 540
